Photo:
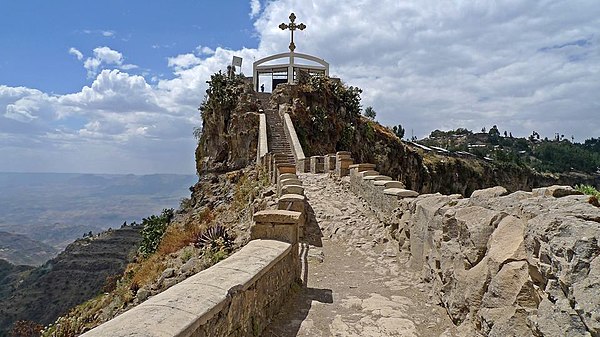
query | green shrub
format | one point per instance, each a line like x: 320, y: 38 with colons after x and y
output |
x: 152, y: 233
x: 588, y: 190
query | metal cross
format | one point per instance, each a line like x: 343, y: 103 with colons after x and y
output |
x: 292, y: 27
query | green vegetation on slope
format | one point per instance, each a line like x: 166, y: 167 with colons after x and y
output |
x: 555, y: 156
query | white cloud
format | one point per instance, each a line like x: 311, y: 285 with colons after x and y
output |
x: 104, y: 33
x: 183, y: 61
x: 432, y: 64
x: 203, y: 50
x: 76, y: 53
x: 108, y: 56
x: 425, y: 64
x: 254, y: 8
x: 103, y: 56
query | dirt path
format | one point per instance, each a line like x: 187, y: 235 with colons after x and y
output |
x: 357, y: 283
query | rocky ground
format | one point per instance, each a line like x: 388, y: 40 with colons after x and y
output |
x: 358, y: 284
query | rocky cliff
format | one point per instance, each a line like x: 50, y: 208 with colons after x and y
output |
x: 326, y: 115
x: 520, y: 264
x: 77, y: 274
x: 229, y: 133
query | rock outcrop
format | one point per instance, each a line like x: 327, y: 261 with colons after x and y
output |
x: 229, y: 133
x: 522, y: 264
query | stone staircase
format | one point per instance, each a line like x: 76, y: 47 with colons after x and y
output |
x: 277, y: 141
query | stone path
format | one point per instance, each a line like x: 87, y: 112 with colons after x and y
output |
x: 357, y: 282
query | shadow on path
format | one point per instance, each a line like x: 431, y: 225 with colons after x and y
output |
x: 312, y: 231
x: 296, y: 310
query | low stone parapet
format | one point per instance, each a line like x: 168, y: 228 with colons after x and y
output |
x: 381, y: 192
x: 236, y: 297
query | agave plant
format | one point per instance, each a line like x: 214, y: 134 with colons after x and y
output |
x: 214, y: 238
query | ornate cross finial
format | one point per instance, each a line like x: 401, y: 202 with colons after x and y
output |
x: 292, y: 27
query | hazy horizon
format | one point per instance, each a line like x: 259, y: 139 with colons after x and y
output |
x: 56, y: 208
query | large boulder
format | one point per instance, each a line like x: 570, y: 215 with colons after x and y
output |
x: 523, y: 264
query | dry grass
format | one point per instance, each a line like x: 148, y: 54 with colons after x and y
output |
x: 147, y: 271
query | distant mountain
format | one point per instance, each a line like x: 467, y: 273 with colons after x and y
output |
x: 57, y: 208
x: 77, y: 274
x: 21, y: 250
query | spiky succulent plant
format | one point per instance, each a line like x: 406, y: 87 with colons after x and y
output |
x: 214, y: 238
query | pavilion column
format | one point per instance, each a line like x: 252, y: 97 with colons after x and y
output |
x: 291, y: 69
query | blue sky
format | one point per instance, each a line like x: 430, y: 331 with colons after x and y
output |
x: 39, y: 33
x: 114, y: 86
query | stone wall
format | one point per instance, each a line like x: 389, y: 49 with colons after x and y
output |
x: 302, y: 163
x: 520, y: 264
x: 262, y: 147
x: 236, y: 297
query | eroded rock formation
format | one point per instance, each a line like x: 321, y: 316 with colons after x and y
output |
x: 520, y: 264
x: 229, y: 125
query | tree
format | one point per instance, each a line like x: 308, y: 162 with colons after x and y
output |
x: 370, y: 112
x: 398, y: 131
x: 494, y: 135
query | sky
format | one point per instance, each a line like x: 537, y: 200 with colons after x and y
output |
x: 114, y: 86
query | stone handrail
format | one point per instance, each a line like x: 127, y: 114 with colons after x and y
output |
x: 262, y: 148
x: 290, y: 133
x: 239, y: 294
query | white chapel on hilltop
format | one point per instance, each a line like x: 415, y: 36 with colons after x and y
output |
x: 272, y: 70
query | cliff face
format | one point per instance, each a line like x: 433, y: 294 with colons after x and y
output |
x: 229, y: 126
x: 77, y: 274
x: 326, y: 115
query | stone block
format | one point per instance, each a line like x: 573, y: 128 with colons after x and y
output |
x: 317, y: 164
x: 277, y: 216
x: 292, y: 189
x: 368, y: 173
x: 342, y: 165
x: 286, y: 168
x: 288, y: 176
x: 303, y: 165
x: 378, y: 177
x: 291, y: 202
x: 362, y: 167
x: 296, y: 203
x: 329, y: 164
x: 290, y: 181
x: 389, y: 184
x: 281, y: 225
x: 401, y: 193
x: 286, y: 182
x: 343, y: 154
x: 284, y: 232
